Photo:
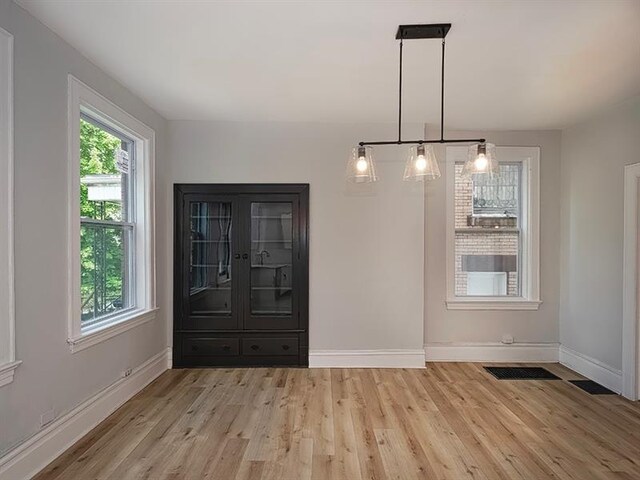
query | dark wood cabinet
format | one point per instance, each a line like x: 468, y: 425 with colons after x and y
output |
x: 241, y: 275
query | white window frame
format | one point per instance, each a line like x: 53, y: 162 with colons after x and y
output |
x: 8, y: 362
x: 530, y: 233
x: 84, y: 100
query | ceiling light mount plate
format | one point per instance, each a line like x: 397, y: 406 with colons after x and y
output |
x: 430, y: 30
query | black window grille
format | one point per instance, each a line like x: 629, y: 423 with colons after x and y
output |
x: 498, y: 195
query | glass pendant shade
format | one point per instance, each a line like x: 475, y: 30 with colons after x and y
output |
x: 361, y: 168
x: 481, y: 160
x: 421, y: 164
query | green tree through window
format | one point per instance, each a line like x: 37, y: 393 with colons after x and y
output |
x: 103, y: 262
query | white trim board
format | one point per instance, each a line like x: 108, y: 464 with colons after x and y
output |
x: 630, y: 330
x: 8, y: 362
x: 404, y: 358
x: 491, y: 352
x: 530, y: 232
x: 93, y: 338
x: 31, y: 456
x: 591, y: 368
x: 84, y: 100
x: 7, y: 372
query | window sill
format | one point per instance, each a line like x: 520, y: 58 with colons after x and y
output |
x: 120, y: 325
x: 493, y: 304
x: 7, y: 372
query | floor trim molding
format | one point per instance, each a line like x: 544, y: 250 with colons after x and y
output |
x: 591, y: 368
x: 31, y: 456
x: 630, y: 326
x: 409, y: 358
x: 491, y: 352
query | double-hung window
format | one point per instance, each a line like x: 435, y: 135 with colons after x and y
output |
x: 107, y: 222
x: 111, y: 218
x: 492, y: 237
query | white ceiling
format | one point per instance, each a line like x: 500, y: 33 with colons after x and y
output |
x: 510, y: 64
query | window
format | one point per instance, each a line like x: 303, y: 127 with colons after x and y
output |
x: 107, y: 223
x: 8, y: 362
x: 112, y: 249
x: 487, y: 232
x: 492, y: 237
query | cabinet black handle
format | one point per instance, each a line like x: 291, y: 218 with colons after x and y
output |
x: 194, y: 348
x: 245, y: 255
x: 254, y: 347
x: 285, y: 347
x: 237, y: 256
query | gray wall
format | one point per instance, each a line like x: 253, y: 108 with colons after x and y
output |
x: 453, y: 326
x: 50, y: 377
x: 363, y: 281
x: 366, y: 245
x: 594, y: 154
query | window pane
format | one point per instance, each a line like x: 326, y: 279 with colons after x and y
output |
x: 104, y: 270
x: 210, y: 265
x: 103, y: 186
x: 487, y: 234
x: 497, y: 195
x: 271, y: 258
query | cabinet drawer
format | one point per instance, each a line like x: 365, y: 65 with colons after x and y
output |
x: 210, y: 346
x: 270, y: 346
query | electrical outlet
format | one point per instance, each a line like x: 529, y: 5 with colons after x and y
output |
x: 47, y: 417
x: 127, y: 372
x: 507, y: 338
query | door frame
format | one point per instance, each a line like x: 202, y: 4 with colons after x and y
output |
x: 630, y: 328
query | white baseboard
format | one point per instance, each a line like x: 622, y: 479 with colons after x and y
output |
x: 491, y: 352
x: 366, y: 358
x: 31, y: 456
x: 169, y: 358
x: 592, y: 369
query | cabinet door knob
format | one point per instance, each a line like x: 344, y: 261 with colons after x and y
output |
x: 237, y: 256
x: 226, y: 347
x: 194, y: 348
x: 285, y: 347
x: 245, y: 255
x: 254, y: 347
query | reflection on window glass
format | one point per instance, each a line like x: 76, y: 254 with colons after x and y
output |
x: 271, y: 258
x: 210, y: 263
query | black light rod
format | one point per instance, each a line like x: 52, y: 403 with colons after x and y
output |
x: 442, y: 95
x: 418, y: 142
x: 400, y: 96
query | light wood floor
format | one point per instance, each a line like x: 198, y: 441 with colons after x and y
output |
x: 450, y: 421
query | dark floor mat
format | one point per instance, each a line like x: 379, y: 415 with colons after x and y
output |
x: 521, y: 373
x: 592, y: 387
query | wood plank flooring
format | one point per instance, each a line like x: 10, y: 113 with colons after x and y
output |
x: 450, y: 421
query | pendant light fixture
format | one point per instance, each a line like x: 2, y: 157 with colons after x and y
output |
x: 421, y: 161
x: 421, y: 164
x: 361, y: 168
x: 481, y: 159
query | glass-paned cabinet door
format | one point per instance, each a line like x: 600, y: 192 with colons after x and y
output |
x: 210, y: 289
x: 271, y: 277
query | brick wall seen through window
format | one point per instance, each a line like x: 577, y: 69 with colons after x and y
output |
x: 487, y: 240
